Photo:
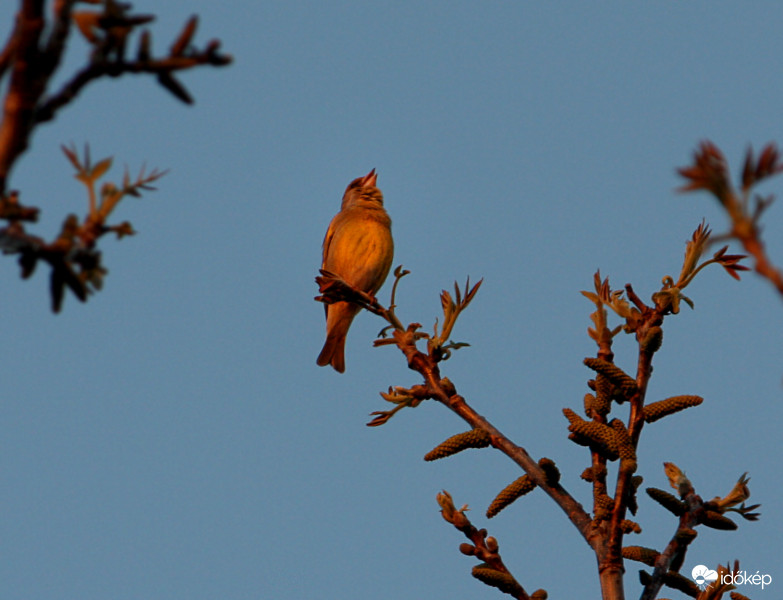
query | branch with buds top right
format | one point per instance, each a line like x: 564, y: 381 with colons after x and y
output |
x: 709, y: 172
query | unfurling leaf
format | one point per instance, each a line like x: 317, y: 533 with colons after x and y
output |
x: 123, y: 229
x: 100, y: 168
x: 28, y: 261
x: 183, y: 41
x: 168, y: 81
x: 708, y: 172
x: 72, y: 156
x: 769, y: 163
x: 87, y: 22
x: 145, y: 44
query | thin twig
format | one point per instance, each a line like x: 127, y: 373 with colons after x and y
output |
x: 97, y: 69
x: 61, y: 28
x: 753, y: 245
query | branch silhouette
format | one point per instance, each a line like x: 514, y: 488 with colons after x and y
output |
x: 29, y: 61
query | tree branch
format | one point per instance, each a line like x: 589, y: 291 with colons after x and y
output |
x: 32, y: 61
x: 25, y: 89
x: 102, y: 68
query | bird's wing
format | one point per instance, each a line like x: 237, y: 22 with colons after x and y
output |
x: 327, y: 240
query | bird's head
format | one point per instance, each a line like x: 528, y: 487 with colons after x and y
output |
x: 363, y: 188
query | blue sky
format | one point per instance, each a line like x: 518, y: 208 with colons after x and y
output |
x: 173, y: 438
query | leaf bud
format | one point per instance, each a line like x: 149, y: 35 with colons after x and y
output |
x: 467, y: 549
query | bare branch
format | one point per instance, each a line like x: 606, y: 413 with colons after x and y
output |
x: 32, y: 60
x: 163, y: 68
x: 25, y: 89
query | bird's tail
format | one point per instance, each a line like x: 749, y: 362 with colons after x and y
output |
x: 333, y: 353
x: 338, y: 321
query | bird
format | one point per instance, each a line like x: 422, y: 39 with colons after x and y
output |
x: 359, y: 249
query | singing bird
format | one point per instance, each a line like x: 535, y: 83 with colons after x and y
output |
x: 359, y: 249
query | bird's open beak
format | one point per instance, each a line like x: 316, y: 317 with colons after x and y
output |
x: 370, y: 179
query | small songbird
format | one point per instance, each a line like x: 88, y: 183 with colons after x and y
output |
x: 359, y: 249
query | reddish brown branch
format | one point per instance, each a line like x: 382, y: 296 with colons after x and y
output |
x: 493, y: 571
x: 446, y: 394
x: 52, y: 54
x: 610, y: 563
x: 32, y: 61
x: 25, y: 88
x: 7, y: 53
x: 97, y: 69
x: 672, y: 557
x: 753, y: 245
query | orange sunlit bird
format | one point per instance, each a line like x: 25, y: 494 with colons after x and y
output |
x: 359, y: 249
